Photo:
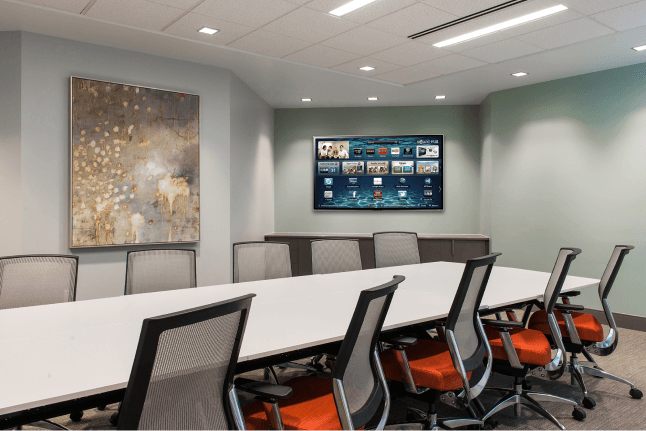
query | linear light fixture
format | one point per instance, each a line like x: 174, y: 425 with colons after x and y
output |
x: 208, y: 30
x: 306, y: 99
x: 502, y: 26
x: 519, y: 74
x: 367, y: 68
x: 373, y: 98
x: 640, y: 48
x: 440, y: 97
x: 349, y: 7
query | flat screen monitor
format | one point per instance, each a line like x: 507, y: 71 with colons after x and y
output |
x: 379, y: 172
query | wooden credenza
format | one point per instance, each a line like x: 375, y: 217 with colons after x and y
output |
x: 432, y: 248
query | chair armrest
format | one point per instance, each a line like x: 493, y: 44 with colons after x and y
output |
x: 263, y: 389
x: 572, y: 293
x: 402, y: 341
x: 503, y: 323
x: 569, y: 307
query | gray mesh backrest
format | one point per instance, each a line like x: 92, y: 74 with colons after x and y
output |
x: 37, y: 280
x: 556, y: 274
x: 255, y: 261
x: 359, y: 380
x: 395, y: 248
x: 185, y: 390
x: 603, y: 283
x: 159, y: 270
x: 466, y: 335
x: 335, y: 255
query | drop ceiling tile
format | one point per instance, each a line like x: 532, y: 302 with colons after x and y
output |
x: 462, y: 7
x: 136, y: 13
x: 624, y: 18
x: 188, y: 27
x: 353, y: 67
x: 407, y: 75
x: 501, y: 51
x: 300, y: 2
x: 589, y: 7
x: 310, y: 25
x: 322, y: 56
x: 253, y: 13
x: 410, y: 53
x: 75, y: 6
x: 365, y: 14
x: 181, y: 4
x: 268, y: 43
x: 412, y: 19
x: 565, y: 34
x: 364, y: 41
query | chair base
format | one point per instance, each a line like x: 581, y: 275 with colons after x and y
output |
x: 519, y: 397
x: 417, y: 419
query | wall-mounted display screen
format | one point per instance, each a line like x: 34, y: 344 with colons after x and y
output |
x: 379, y: 172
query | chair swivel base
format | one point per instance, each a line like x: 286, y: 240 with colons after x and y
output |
x: 430, y: 421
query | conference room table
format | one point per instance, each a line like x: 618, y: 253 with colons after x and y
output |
x: 58, y: 358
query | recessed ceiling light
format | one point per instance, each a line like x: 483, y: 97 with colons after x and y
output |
x: 349, y: 7
x: 367, y: 68
x: 640, y: 48
x: 502, y: 26
x: 306, y: 99
x: 440, y: 97
x: 208, y: 30
x: 373, y: 98
x: 519, y: 74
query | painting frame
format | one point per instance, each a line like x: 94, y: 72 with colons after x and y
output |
x: 71, y: 244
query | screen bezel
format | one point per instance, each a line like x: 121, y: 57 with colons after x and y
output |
x: 441, y: 159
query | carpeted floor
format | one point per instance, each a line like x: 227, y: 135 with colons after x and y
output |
x: 615, y: 408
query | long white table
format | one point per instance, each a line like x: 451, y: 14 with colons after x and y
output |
x: 55, y: 354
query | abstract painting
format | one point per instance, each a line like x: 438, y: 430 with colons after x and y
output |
x: 135, y: 165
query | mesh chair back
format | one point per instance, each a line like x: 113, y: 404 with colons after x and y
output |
x: 183, y: 370
x: 612, y: 269
x: 159, y: 270
x: 463, y: 317
x: 395, y: 248
x: 261, y: 260
x: 355, y: 365
x: 555, y: 283
x: 335, y: 255
x: 37, y: 280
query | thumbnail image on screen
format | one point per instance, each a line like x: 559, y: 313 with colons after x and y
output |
x: 379, y: 172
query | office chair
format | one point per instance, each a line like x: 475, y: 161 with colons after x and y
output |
x: 519, y: 352
x: 157, y: 270
x: 31, y: 280
x: 436, y: 371
x: 582, y: 333
x: 395, y: 248
x: 335, y: 255
x: 261, y: 260
x: 182, y: 375
x: 348, y: 397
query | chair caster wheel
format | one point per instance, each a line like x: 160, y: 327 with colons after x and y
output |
x: 636, y: 394
x: 578, y: 414
x: 76, y: 416
x: 589, y: 403
x: 490, y: 424
x: 100, y: 408
x: 114, y: 419
x: 527, y: 385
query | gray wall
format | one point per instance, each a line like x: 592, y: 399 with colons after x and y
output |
x: 568, y: 170
x: 46, y: 65
x: 10, y: 202
x: 252, y: 164
x: 293, y: 131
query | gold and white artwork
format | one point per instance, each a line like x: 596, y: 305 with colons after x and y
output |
x: 135, y: 171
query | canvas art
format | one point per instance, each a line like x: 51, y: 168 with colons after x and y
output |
x: 135, y: 168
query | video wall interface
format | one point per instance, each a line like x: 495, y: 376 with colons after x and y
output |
x: 402, y: 172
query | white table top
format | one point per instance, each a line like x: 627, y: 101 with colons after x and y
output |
x: 59, y: 352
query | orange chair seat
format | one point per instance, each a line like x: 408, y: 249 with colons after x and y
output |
x: 430, y: 363
x: 311, y: 407
x: 531, y: 346
x: 587, y: 326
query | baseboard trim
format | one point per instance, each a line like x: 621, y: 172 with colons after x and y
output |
x: 628, y: 321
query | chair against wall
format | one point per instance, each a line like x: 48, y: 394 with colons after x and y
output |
x: 435, y: 371
x: 583, y: 333
x: 335, y: 255
x: 519, y: 352
x: 395, y: 248
x: 157, y: 270
x: 261, y: 260
x: 31, y: 280
x: 352, y: 394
